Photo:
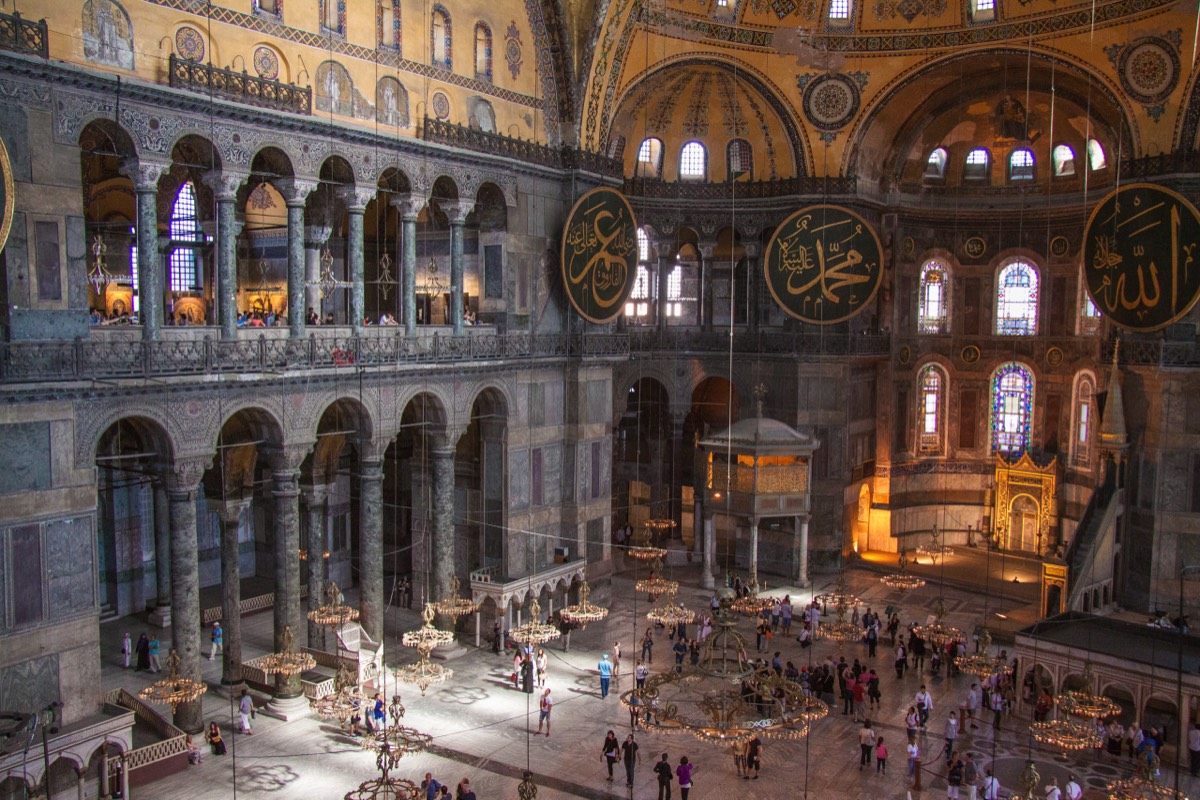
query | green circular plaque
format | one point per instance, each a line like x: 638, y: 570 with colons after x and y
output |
x: 599, y: 254
x: 1140, y: 257
x: 8, y: 199
x: 824, y: 264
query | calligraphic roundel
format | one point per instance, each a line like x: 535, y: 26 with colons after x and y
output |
x: 599, y: 254
x: 824, y: 264
x: 1141, y: 257
x: 8, y: 197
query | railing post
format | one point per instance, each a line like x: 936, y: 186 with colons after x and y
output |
x: 312, y: 350
x: 77, y: 358
x: 208, y: 354
x: 146, y: 356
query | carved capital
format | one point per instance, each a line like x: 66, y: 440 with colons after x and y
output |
x: 408, y: 206
x: 708, y: 250
x: 664, y: 247
x: 456, y: 211
x: 185, y: 474
x: 314, y: 494
x: 286, y: 460
x: 144, y: 172
x: 356, y: 197
x: 317, y: 235
x: 225, y: 184
x: 295, y: 191
x: 229, y: 511
x: 752, y: 249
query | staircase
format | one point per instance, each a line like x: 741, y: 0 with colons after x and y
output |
x: 1096, y: 527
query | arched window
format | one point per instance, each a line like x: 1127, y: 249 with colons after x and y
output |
x: 1083, y: 420
x: 638, y: 305
x: 1020, y: 165
x: 693, y: 162
x: 271, y: 7
x: 185, y: 229
x: 1064, y: 161
x: 840, y: 11
x: 333, y: 17
x: 933, y: 316
x: 1096, y: 159
x: 931, y: 389
x: 1012, y: 408
x: 978, y: 162
x: 649, y: 159
x: 643, y: 246
x: 1089, y: 312
x: 440, y: 42
x: 483, y: 52
x: 389, y: 24
x: 983, y: 10
x: 741, y: 159
x: 1017, y: 300
x: 935, y: 166
x: 674, y: 306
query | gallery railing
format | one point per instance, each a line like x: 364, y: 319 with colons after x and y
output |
x: 760, y: 343
x: 240, y: 87
x: 24, y: 36
x: 462, y: 137
x: 105, y: 357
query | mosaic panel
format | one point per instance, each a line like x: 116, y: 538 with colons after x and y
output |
x: 512, y: 49
x: 266, y: 63
x: 189, y: 44
x: 107, y: 34
x: 733, y: 117
x: 696, y: 122
x: 830, y: 101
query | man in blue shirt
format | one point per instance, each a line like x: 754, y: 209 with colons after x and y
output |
x: 431, y: 785
x: 605, y: 668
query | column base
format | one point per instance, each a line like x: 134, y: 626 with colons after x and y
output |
x: 449, y: 652
x: 288, y: 708
x: 706, y: 579
x: 160, y: 617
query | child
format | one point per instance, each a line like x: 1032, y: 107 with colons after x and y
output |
x: 880, y: 757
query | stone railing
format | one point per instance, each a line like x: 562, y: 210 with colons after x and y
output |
x: 101, y: 357
x: 173, y: 742
x: 1155, y: 353
x: 240, y: 87
x: 24, y: 36
x: 749, y: 190
x: 764, y: 342
x: 530, y: 152
x: 247, y: 606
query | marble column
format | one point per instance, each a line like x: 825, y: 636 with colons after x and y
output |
x: 443, y: 517
x: 802, y: 550
x: 457, y: 214
x: 356, y: 206
x: 752, y: 284
x: 225, y: 187
x: 409, y: 208
x: 706, y: 286
x: 161, y: 615
x: 285, y: 489
x: 370, y: 547
x: 703, y: 531
x: 315, y: 237
x: 754, y: 553
x: 666, y: 260
x: 294, y: 193
x: 230, y: 514
x: 183, y: 484
x: 314, y: 499
x: 145, y: 175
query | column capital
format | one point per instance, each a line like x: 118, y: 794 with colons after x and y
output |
x: 295, y: 191
x: 144, y: 172
x: 314, y: 494
x: 356, y: 197
x: 229, y: 510
x: 286, y: 460
x: 370, y: 470
x: 185, y: 474
x: 408, y: 206
x: 225, y: 184
x: 707, y: 250
x: 317, y: 235
x: 664, y: 247
x: 752, y: 249
x: 456, y: 211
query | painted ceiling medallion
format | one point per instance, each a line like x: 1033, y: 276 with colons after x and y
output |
x: 266, y: 63
x: 830, y: 101
x: 512, y: 49
x: 441, y: 105
x: 189, y: 44
x: 1149, y: 70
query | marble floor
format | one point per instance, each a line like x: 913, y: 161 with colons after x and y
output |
x: 482, y: 727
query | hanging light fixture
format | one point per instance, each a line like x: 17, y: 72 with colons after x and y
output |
x: 902, y: 580
x: 1066, y: 734
x: 1144, y: 787
x: 585, y: 611
x: 656, y: 584
x: 1085, y: 703
x: 427, y: 636
x: 982, y: 664
x: 938, y: 633
x: 423, y: 673
x: 173, y: 690
x: 399, y: 739
x: 286, y: 662
x: 452, y: 605
x: 385, y: 280
x: 527, y: 790
x: 644, y: 548
x: 935, y: 549
x: 334, y: 612
x: 670, y: 613
x: 343, y: 701
x: 98, y: 275
x: 534, y: 632
x: 386, y: 787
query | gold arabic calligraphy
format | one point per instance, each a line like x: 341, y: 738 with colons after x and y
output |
x: 600, y: 243
x: 821, y: 260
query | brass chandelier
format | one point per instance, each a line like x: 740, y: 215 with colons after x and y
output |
x: 902, y: 580
x: 334, y: 612
x: 397, y: 738
x: 452, y: 605
x: 424, y: 673
x: 286, y: 662
x: 1066, y: 734
x: 982, y: 664
x: 535, y: 632
x: 1085, y: 703
x: 938, y: 633
x: 175, y: 689
x: 670, y: 613
x: 342, y: 702
x: 1145, y: 787
x: 386, y: 787
x: 585, y: 611
x: 656, y: 584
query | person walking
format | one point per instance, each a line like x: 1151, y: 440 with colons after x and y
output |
x: 991, y: 787
x: 218, y: 639
x: 665, y: 775
x: 866, y: 742
x: 924, y: 702
x: 639, y: 674
x: 245, y: 709
x: 648, y: 646
x: 545, y: 706
x: 152, y: 649
x: 739, y: 758
x: 378, y: 716
x: 629, y: 752
x: 541, y: 663
x: 1073, y: 790
x: 1052, y: 790
x: 954, y: 777
x: 610, y: 752
x: 516, y: 673
x: 126, y: 649
x: 912, y: 721
x: 873, y: 694
x: 684, y: 772
x: 143, y: 653
x: 901, y: 659
x: 605, y: 670
x: 997, y: 709
x: 881, y: 754
x: 496, y: 638
x: 971, y: 777
x: 951, y: 732
x: 680, y: 650
x: 527, y: 674
x: 754, y: 749
x: 914, y: 758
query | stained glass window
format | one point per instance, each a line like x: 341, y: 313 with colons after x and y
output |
x: 934, y: 291
x: 638, y: 305
x: 692, y: 166
x: 1064, y: 161
x: 1096, y: 159
x: 1017, y: 300
x: 649, y: 160
x: 185, y: 228
x: 440, y: 41
x: 1012, y: 408
x: 931, y: 386
x: 935, y: 166
x: 483, y: 52
x: 1081, y: 440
